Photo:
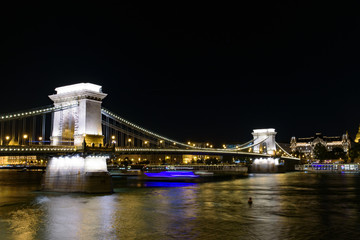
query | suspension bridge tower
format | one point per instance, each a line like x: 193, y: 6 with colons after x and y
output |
x: 78, y: 119
x: 264, y: 140
x: 80, y: 115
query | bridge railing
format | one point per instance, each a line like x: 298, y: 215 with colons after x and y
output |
x: 214, y: 168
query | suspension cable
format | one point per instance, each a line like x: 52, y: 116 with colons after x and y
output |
x: 36, y: 111
x: 289, y: 155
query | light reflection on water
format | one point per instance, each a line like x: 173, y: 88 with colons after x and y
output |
x: 286, y: 206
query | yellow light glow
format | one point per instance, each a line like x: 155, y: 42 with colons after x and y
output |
x: 25, y: 136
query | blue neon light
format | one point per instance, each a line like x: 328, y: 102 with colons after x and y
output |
x: 173, y: 174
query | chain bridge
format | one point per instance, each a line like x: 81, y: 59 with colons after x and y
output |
x: 77, y: 125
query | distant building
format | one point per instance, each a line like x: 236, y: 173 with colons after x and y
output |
x: 306, y: 145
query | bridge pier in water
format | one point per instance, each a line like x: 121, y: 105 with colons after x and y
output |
x: 77, y: 174
x: 79, y: 126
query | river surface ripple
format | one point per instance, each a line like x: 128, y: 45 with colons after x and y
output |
x: 285, y: 206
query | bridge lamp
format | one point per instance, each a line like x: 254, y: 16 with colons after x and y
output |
x: 207, y: 144
x: 40, y: 138
x: 174, y: 143
x: 211, y: 146
x: 161, y: 141
x: 25, y: 136
x: 189, y: 143
x: 129, y: 140
x: 113, y: 137
x: 146, y: 142
x: 7, y: 137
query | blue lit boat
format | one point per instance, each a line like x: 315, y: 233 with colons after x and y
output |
x: 172, y: 174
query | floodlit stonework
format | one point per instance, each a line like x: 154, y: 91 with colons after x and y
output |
x: 306, y: 145
x: 80, y: 116
x: 264, y: 140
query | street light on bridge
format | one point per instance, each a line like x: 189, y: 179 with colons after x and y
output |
x: 25, y: 136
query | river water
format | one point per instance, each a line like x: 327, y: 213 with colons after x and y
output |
x: 285, y: 206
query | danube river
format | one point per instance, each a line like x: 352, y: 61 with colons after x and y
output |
x: 285, y: 206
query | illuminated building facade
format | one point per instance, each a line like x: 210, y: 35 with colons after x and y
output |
x: 306, y: 145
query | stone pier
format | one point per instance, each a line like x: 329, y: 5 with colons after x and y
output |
x: 78, y: 174
x: 78, y: 123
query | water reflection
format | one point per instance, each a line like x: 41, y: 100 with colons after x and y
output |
x: 24, y: 223
x: 285, y: 206
x: 76, y: 217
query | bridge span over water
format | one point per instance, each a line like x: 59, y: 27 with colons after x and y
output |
x: 77, y: 125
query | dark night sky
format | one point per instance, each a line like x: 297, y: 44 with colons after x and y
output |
x: 193, y: 72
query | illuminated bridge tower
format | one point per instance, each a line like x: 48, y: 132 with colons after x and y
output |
x: 80, y: 116
x: 264, y: 140
x: 78, y: 119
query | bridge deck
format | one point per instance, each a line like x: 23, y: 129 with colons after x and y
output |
x: 61, y: 150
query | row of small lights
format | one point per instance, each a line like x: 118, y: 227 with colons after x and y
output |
x: 34, y: 112
x: 129, y: 140
x: 142, y: 129
x: 166, y: 150
x: 281, y: 149
x: 155, y: 150
x: 37, y: 149
x: 25, y: 136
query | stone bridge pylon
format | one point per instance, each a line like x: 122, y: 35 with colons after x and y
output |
x: 80, y: 115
